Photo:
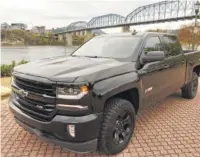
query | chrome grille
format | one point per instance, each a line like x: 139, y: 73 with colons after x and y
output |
x: 36, y: 87
x: 39, y: 103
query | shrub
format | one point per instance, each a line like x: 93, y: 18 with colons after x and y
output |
x: 22, y: 62
x: 6, y: 69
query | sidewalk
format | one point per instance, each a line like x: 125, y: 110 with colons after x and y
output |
x: 168, y: 129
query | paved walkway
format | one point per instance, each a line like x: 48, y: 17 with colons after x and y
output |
x: 168, y: 129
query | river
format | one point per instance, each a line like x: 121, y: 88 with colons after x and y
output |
x: 32, y: 53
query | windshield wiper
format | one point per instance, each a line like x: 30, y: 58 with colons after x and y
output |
x: 90, y: 56
x: 97, y: 57
x: 74, y: 56
x: 85, y: 56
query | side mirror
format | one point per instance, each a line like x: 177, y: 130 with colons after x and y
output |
x: 153, y: 56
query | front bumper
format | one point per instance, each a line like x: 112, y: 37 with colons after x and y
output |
x: 86, y: 129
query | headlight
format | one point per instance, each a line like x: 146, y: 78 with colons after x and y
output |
x: 68, y: 91
x: 71, y: 92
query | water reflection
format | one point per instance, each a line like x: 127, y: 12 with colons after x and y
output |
x: 32, y: 53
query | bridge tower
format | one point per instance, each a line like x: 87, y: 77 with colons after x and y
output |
x: 69, y: 39
x: 60, y: 36
x: 88, y: 35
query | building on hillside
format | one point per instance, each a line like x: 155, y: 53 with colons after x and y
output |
x: 5, y: 26
x: 49, y: 31
x: 38, y: 29
x: 20, y: 26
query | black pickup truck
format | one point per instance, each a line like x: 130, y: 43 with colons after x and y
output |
x: 88, y: 101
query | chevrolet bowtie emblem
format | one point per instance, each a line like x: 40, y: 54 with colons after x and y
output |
x: 23, y: 93
x: 39, y: 106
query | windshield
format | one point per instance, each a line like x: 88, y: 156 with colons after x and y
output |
x: 109, y: 47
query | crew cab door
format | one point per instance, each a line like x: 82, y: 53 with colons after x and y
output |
x: 176, y: 63
x: 154, y: 75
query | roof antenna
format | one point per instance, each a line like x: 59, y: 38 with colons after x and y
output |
x: 134, y: 32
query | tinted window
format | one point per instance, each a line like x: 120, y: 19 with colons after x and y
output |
x: 152, y: 44
x: 172, y: 46
x: 109, y: 46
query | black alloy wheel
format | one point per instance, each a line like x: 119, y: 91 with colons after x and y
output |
x: 122, y: 129
x: 189, y: 91
x: 118, y: 126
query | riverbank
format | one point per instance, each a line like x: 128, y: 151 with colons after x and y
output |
x: 22, y: 37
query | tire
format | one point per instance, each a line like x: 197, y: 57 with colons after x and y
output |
x: 189, y: 91
x: 119, y: 117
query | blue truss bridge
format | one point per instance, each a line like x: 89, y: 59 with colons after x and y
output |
x: 164, y: 11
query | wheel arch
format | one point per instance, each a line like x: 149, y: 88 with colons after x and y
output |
x: 117, y: 86
x: 131, y: 95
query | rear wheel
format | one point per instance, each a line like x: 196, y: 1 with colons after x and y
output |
x: 189, y: 91
x: 117, y: 127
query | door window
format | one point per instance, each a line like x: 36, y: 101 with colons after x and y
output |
x: 173, y: 47
x: 152, y: 44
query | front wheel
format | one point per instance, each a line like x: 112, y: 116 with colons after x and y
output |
x: 117, y: 127
x: 189, y: 91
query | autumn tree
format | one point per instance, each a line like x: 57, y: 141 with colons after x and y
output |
x: 185, y: 34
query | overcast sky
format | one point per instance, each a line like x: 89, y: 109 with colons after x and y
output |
x: 59, y: 13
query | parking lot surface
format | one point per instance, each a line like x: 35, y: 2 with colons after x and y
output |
x: 170, y: 128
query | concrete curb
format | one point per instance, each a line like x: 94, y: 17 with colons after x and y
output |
x: 5, y: 91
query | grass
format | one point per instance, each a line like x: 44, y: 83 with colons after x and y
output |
x: 5, y: 81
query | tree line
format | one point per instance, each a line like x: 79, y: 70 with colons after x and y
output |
x: 21, y: 37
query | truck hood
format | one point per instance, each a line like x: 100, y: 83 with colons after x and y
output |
x: 76, y: 69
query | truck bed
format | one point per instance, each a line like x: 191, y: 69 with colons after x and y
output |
x: 193, y: 56
x: 188, y: 51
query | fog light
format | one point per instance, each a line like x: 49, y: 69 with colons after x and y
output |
x: 71, y: 130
